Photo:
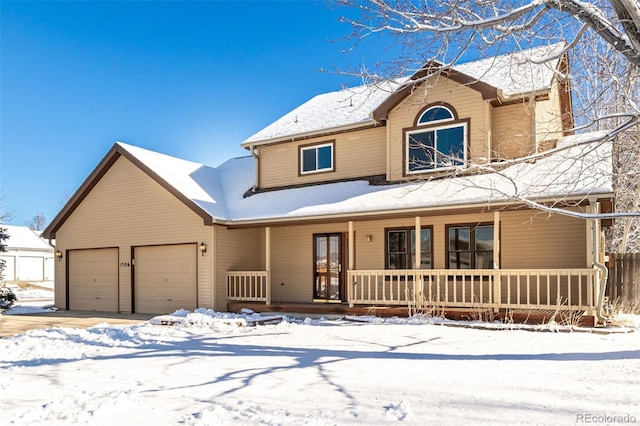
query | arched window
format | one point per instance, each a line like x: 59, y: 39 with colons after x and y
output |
x: 436, y: 113
x: 439, y: 140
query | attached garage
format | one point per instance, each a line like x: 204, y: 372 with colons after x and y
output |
x: 142, y: 205
x: 165, y: 278
x: 93, y: 279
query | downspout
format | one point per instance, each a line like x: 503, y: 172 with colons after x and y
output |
x: 256, y: 184
x: 596, y: 264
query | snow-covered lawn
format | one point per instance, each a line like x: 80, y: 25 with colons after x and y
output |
x: 31, y: 297
x: 209, y: 369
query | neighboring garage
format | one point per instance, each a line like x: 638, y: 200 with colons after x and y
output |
x: 27, y: 257
x: 93, y: 279
x: 165, y: 278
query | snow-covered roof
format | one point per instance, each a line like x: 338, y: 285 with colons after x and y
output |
x: 329, y: 111
x: 521, y: 72
x: 512, y: 74
x: 195, y: 181
x: 575, y: 170
x: 23, y: 238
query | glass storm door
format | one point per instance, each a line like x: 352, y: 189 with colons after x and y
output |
x: 328, y: 267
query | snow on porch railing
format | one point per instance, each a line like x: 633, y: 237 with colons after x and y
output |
x: 574, y: 289
x: 248, y: 286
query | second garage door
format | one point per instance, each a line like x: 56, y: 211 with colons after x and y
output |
x: 93, y: 279
x: 165, y: 278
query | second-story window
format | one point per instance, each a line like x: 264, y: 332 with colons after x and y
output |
x: 438, y: 140
x: 316, y: 158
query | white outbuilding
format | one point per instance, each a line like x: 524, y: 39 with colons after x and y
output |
x: 28, y: 257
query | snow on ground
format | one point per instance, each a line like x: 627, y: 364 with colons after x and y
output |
x: 31, y: 298
x: 210, y: 368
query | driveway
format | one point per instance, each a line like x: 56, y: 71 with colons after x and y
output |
x: 19, y: 324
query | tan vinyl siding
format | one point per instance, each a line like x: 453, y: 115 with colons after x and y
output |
x: 512, y: 131
x: 534, y: 240
x: 358, y: 153
x: 529, y: 239
x: 548, y: 118
x: 127, y: 208
x: 467, y: 102
x: 236, y: 250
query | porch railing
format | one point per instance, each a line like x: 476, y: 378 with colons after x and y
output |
x: 248, y: 286
x: 574, y: 289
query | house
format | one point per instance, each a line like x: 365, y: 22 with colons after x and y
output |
x: 392, y: 195
x: 28, y: 257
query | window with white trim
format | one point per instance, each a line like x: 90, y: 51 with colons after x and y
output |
x: 438, y: 141
x: 316, y: 158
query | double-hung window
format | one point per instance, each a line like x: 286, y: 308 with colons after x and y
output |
x: 438, y: 140
x: 317, y: 158
x: 470, y: 246
x: 401, y: 248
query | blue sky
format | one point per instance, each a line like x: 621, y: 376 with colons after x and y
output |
x: 189, y: 79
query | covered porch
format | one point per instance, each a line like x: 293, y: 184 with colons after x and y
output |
x: 460, y: 292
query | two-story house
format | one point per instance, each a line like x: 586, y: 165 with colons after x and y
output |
x: 386, y: 195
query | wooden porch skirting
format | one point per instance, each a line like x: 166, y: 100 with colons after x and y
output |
x: 458, y: 314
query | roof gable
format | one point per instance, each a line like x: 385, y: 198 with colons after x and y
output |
x: 173, y: 174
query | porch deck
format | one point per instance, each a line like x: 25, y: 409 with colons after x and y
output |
x: 328, y: 309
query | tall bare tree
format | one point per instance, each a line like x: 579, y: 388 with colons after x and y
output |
x: 38, y: 222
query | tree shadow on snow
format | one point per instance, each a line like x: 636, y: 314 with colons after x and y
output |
x: 292, y: 358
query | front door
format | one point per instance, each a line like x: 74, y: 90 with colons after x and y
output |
x: 327, y: 254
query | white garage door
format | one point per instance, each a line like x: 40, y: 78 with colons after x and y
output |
x: 165, y: 278
x: 31, y: 268
x: 93, y: 279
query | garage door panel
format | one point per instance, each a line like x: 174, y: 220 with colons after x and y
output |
x: 165, y: 278
x: 31, y: 268
x: 93, y: 279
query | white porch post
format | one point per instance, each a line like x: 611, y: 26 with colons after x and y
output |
x: 267, y: 242
x: 352, y: 248
x: 496, y: 240
x: 497, y: 282
x: 418, y: 258
x: 351, y: 241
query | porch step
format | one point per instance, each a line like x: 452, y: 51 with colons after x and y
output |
x: 329, y: 310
